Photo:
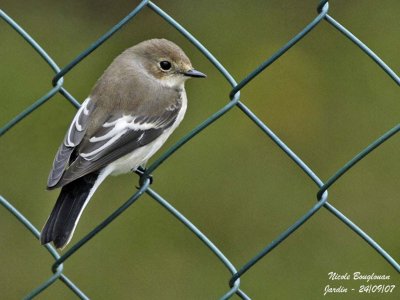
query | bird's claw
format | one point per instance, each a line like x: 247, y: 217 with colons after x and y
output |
x: 143, y: 175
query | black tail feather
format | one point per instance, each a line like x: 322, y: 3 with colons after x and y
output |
x: 61, y: 223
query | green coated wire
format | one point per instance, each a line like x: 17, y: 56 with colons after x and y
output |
x: 358, y: 157
x: 102, y: 225
x: 364, y: 48
x: 235, y: 101
x: 58, y: 87
x: 22, y: 219
x: 281, y: 51
x: 204, y: 239
x: 323, y: 10
x: 45, y: 57
x: 99, y: 42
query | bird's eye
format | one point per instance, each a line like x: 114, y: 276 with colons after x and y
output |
x: 165, y: 65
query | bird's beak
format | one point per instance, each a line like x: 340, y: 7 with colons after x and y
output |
x: 194, y: 73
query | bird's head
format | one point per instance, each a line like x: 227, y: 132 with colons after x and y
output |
x: 165, y: 62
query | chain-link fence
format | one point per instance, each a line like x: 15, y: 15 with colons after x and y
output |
x: 233, y: 100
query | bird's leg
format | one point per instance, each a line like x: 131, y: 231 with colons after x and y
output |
x: 141, y: 171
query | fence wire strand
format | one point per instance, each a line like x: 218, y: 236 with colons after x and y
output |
x: 233, y: 100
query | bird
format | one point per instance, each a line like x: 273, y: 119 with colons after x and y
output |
x: 133, y: 108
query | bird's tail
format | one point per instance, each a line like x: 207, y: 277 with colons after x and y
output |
x: 70, y: 204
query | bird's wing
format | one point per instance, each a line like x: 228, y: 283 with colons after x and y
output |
x: 73, y: 138
x: 118, y: 136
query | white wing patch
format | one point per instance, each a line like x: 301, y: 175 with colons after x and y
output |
x: 112, y: 140
x: 75, y: 126
x: 120, y: 127
x: 130, y: 122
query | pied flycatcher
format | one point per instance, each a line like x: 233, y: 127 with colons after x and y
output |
x: 133, y: 108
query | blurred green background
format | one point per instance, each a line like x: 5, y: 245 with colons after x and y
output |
x: 325, y: 98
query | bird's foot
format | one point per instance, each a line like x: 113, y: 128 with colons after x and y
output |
x: 143, y: 175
